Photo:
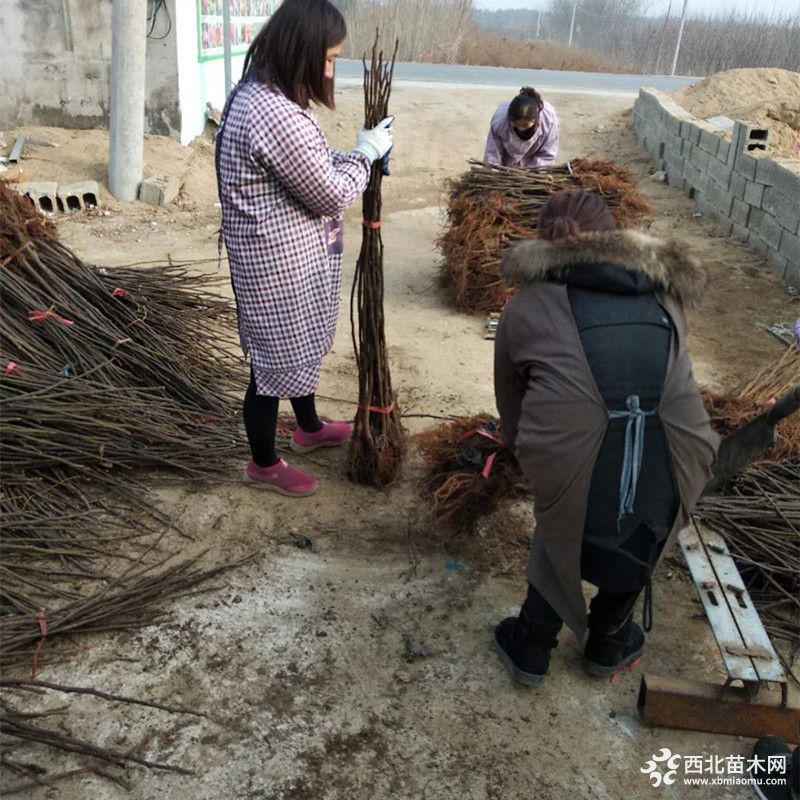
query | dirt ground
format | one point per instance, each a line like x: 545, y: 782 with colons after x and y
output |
x: 302, y: 662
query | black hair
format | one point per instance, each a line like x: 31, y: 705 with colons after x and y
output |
x: 526, y: 105
x: 289, y: 51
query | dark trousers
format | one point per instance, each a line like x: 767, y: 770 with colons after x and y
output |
x: 608, y: 611
x: 260, y: 415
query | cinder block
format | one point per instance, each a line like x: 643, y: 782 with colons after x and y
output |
x: 753, y: 193
x: 720, y: 198
x: 738, y: 185
x: 790, y: 247
x: 792, y: 275
x: 697, y: 180
x: 786, y: 178
x: 756, y: 242
x: 777, y: 262
x: 709, y: 140
x: 723, y: 150
x: 78, y: 196
x: 686, y: 148
x: 767, y: 228
x: 722, y: 123
x: 720, y: 172
x: 711, y: 211
x: 648, y: 97
x: 785, y: 211
x: 700, y: 158
x: 44, y: 195
x: 740, y: 232
x: 746, y: 165
x: 159, y: 191
x: 754, y: 139
x: 740, y: 212
x: 766, y: 169
x: 690, y: 131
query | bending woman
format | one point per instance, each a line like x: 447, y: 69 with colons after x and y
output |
x: 283, y: 192
x: 596, y: 394
x: 523, y: 132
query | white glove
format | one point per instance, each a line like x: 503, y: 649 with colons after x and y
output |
x: 375, y: 143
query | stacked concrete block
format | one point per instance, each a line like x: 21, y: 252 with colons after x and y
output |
x: 74, y: 197
x: 754, y: 198
x: 43, y: 194
x: 159, y: 191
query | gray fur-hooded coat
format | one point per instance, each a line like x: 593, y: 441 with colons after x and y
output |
x: 552, y: 413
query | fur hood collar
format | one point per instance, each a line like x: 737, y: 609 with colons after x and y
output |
x: 666, y: 262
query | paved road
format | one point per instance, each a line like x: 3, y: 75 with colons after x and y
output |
x: 545, y: 79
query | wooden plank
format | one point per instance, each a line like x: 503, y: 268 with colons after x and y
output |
x: 699, y: 706
x: 756, y: 643
x: 722, y: 623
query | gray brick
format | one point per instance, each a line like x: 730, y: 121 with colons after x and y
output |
x: 777, y: 262
x: 694, y: 178
x: 757, y: 243
x: 754, y: 193
x: 78, y: 196
x: 159, y: 191
x: 689, y: 131
x: 709, y: 141
x: 767, y: 228
x: 740, y: 232
x: 719, y: 197
x: 785, y: 211
x: 686, y: 148
x: 740, y: 212
x: 738, y: 185
x: 766, y: 169
x: 792, y: 275
x: 786, y: 178
x: 709, y: 210
x: 746, y: 165
x: 720, y: 172
x: 790, y: 247
x: 43, y: 194
x: 724, y: 150
x: 700, y: 158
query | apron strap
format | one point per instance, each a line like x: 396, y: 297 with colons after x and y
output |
x: 633, y: 454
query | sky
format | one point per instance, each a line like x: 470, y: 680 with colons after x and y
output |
x: 660, y: 6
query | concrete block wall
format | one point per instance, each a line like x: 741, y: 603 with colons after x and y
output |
x: 754, y: 199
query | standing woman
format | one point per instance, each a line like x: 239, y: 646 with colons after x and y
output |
x: 283, y: 192
x: 594, y: 384
x: 523, y: 132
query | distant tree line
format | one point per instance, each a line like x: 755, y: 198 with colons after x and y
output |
x: 620, y: 30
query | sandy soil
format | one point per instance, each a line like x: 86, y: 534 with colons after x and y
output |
x: 302, y: 662
x: 766, y: 97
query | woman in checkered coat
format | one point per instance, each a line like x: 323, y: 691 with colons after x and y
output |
x: 283, y: 192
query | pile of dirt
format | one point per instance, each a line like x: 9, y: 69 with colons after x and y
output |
x: 769, y: 98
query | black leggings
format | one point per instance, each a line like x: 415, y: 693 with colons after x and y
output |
x: 260, y: 415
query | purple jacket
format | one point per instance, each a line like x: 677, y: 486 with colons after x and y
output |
x: 505, y: 148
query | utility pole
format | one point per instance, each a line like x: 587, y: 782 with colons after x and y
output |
x: 663, y: 37
x: 226, y: 44
x: 126, y: 97
x: 572, y: 23
x: 538, y: 24
x: 680, y: 36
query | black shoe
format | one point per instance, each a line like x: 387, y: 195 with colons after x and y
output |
x: 606, y: 653
x: 776, y: 784
x: 526, y: 656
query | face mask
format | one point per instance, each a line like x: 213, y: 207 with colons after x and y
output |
x: 525, y: 135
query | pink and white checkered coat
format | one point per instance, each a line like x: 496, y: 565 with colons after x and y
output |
x: 283, y: 192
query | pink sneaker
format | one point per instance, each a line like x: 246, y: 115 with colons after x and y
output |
x: 330, y: 434
x: 281, y: 478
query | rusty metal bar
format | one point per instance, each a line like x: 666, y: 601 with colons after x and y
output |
x: 738, y: 711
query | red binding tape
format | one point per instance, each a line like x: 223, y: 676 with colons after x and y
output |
x: 40, y: 315
x: 43, y: 629
x: 373, y: 226
x: 387, y: 410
